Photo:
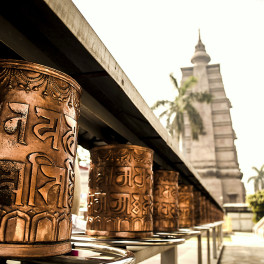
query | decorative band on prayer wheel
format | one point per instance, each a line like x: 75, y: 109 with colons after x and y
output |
x: 39, y: 108
x: 186, y: 206
x: 165, y: 197
x: 120, y: 198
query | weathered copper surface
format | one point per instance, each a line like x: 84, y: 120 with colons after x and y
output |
x: 39, y: 107
x: 186, y: 206
x: 165, y: 215
x: 120, y: 199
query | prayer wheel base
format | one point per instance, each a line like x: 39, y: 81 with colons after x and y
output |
x: 166, y: 230
x: 118, y: 234
x: 34, y: 250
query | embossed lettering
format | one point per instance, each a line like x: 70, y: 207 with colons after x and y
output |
x: 120, y: 202
x: 11, y: 180
x: 139, y: 177
x: 96, y: 203
x: 100, y: 203
x: 123, y: 176
x: 174, y: 209
x: 174, y: 192
x: 166, y: 192
x: 58, y: 178
x: 136, y: 204
x: 103, y: 176
x: 100, y: 176
x: 48, y: 130
x: 90, y: 203
x: 69, y: 182
x: 69, y: 139
x: 158, y: 190
x: 165, y: 208
x: 17, y: 123
x: 147, y: 205
x: 42, y: 163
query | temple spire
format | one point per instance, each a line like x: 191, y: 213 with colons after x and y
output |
x: 200, y: 56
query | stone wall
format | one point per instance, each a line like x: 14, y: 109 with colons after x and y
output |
x: 241, y: 217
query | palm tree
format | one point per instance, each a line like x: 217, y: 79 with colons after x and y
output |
x: 183, y: 103
x: 258, y: 179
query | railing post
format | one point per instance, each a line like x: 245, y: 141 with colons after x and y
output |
x: 199, y: 247
x: 208, y: 247
x: 221, y: 234
x: 169, y: 256
x: 219, y: 237
x: 214, y: 243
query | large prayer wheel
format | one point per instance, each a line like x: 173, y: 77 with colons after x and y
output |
x: 39, y: 108
x: 166, y: 209
x: 120, y: 198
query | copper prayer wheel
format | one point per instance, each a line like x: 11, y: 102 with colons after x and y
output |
x: 209, y: 210
x: 39, y: 108
x: 186, y: 206
x: 216, y: 213
x: 165, y: 215
x: 120, y: 196
x: 204, y: 218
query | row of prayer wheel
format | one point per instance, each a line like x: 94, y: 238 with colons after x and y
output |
x: 127, y: 199
x: 39, y: 110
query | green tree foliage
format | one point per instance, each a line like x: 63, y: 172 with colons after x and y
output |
x: 258, y: 179
x: 183, y: 103
x: 256, y: 202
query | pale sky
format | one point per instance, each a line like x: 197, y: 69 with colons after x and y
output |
x: 152, y: 38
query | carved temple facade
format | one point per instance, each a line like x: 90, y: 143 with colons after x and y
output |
x: 214, y: 155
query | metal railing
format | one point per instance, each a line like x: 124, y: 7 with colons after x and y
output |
x: 167, y: 244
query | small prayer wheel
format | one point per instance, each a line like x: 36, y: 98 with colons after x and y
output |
x: 204, y: 213
x: 39, y: 108
x: 186, y: 206
x: 197, y: 208
x: 120, y: 195
x: 165, y: 215
x: 209, y: 211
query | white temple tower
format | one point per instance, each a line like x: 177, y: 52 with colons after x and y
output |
x: 214, y: 156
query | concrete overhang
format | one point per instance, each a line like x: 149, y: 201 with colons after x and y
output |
x: 55, y: 34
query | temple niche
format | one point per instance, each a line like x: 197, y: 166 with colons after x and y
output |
x: 214, y: 156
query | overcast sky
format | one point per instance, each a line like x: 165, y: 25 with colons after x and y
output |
x: 152, y: 38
